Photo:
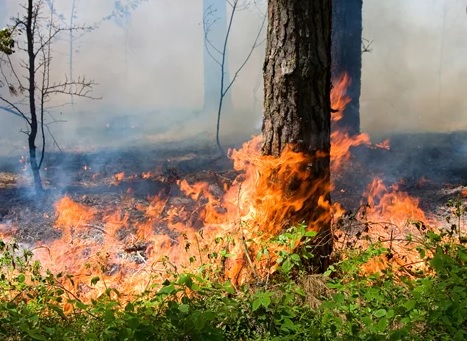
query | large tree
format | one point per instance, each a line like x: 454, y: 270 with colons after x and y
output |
x: 297, y: 102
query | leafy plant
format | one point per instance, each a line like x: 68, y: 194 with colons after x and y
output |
x: 356, y: 305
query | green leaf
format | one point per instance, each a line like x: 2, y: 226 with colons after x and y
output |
x: 367, y: 321
x: 287, y: 265
x: 94, y: 280
x: 410, y: 304
x: 229, y: 288
x: 256, y: 304
x: 262, y: 299
x: 380, y: 313
x: 167, y: 290
x: 21, y: 278
x: 339, y: 298
x: 185, y: 280
x: 295, y: 258
x: 310, y: 234
x: 184, y: 308
x: 81, y: 305
x: 129, y: 307
x: 35, y: 334
x: 58, y: 310
x: 133, y: 323
x: 288, y: 325
x: 462, y: 254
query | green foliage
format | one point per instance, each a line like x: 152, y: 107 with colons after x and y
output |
x: 7, y: 43
x: 297, y: 249
x: 354, y: 305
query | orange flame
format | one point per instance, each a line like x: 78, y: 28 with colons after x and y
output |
x: 127, y: 247
x: 341, y: 141
x: 392, y: 205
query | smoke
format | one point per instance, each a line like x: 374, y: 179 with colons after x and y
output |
x: 415, y: 76
x: 149, y: 66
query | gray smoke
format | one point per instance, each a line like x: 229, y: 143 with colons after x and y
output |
x: 149, y: 66
x: 415, y: 76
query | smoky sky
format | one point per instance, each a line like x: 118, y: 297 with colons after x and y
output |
x: 148, y: 63
x: 415, y: 77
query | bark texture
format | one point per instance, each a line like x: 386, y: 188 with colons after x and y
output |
x: 297, y: 73
x: 347, y: 56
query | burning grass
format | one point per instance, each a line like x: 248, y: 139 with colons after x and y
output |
x: 197, y: 252
x: 124, y: 240
x: 350, y: 301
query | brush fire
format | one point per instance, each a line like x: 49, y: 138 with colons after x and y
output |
x: 218, y: 222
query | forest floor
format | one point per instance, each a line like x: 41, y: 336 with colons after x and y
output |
x: 430, y: 167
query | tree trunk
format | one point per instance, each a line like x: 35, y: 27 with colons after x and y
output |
x: 347, y: 56
x: 30, y: 26
x: 297, y: 84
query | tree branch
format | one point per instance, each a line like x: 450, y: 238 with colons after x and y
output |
x: 18, y: 110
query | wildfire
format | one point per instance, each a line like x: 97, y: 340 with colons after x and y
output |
x: 387, y: 216
x: 126, y: 248
x: 341, y: 141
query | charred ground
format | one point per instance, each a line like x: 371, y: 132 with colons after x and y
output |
x: 430, y: 167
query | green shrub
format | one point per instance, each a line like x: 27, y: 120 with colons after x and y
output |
x: 342, y: 304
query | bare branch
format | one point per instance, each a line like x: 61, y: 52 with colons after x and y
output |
x: 40, y: 29
x: 255, y: 45
x: 207, y: 25
x: 223, y: 91
x: 79, y: 88
x: 206, y: 42
x: 18, y: 110
x: 53, y: 138
x: 366, y: 45
x: 14, y: 72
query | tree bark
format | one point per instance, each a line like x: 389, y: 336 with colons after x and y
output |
x: 297, y: 73
x: 346, y: 56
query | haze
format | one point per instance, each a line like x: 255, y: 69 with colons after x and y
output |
x: 149, y: 66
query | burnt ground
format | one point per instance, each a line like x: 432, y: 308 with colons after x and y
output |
x: 431, y: 167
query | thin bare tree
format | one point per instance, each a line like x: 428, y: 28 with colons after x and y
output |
x: 26, y: 85
x: 219, y: 55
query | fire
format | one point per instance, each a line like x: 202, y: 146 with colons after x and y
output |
x: 119, y: 176
x: 125, y: 250
x: 384, y: 145
x: 6, y: 232
x: 146, y: 175
x: 389, y: 204
x: 218, y: 231
x: 389, y: 216
x: 341, y: 141
x: 70, y: 213
x: 388, y: 211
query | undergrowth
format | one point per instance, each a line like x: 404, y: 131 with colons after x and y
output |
x: 345, y: 303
